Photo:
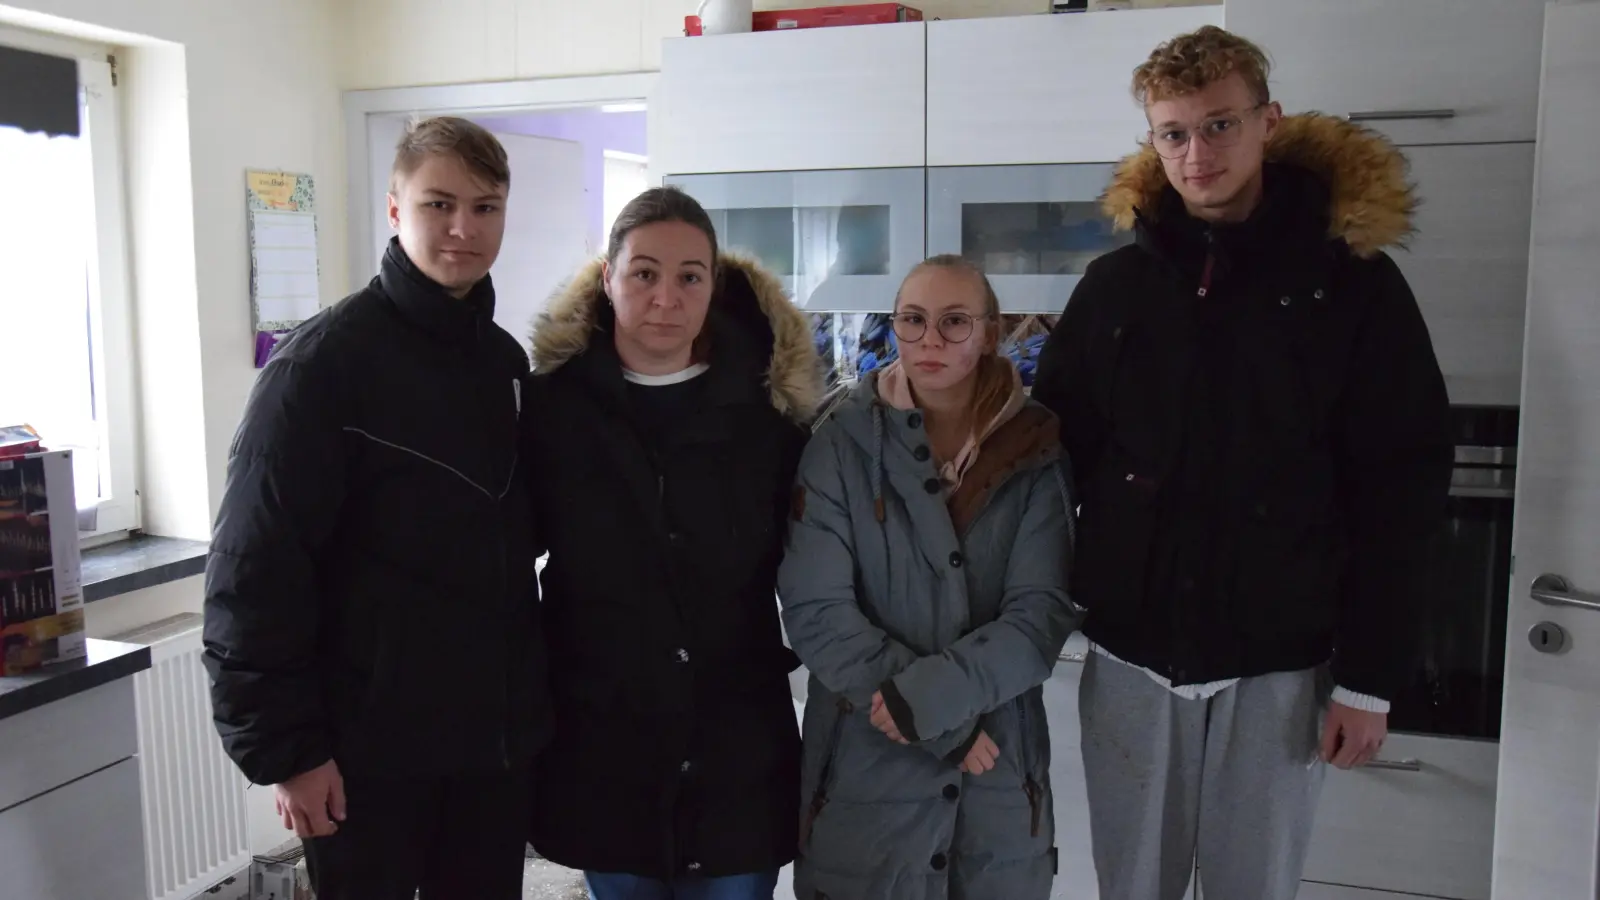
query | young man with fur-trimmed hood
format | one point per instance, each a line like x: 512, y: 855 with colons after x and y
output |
x: 1260, y: 435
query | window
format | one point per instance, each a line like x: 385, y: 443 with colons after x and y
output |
x: 626, y: 177
x: 66, y: 339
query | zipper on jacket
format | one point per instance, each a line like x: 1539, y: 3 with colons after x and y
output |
x: 508, y: 606
x: 1205, y: 270
x: 1030, y: 787
x: 819, y: 797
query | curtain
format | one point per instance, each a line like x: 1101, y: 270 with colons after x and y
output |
x: 38, y: 92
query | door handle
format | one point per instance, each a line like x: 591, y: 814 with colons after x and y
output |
x: 1379, y: 115
x: 1553, y: 590
x: 1395, y: 765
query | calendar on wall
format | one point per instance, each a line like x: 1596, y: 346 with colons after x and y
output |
x: 283, y: 255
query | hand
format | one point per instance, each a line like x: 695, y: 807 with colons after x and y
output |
x: 312, y: 803
x: 1352, y: 737
x: 884, y: 721
x: 982, y: 757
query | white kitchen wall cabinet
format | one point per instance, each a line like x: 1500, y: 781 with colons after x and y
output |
x: 1032, y: 229
x: 823, y: 98
x: 1421, y: 71
x: 1468, y: 263
x: 1043, y: 89
x: 840, y: 240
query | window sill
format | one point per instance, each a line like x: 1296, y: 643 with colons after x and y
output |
x: 141, y: 561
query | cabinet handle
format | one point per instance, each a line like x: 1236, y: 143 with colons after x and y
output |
x: 1395, y: 765
x: 1064, y: 656
x: 1553, y: 590
x: 1487, y: 493
x: 1376, y: 115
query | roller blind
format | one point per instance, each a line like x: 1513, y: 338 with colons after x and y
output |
x: 38, y: 92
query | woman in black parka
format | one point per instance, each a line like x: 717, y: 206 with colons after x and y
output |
x: 667, y: 412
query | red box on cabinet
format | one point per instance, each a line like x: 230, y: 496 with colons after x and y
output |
x: 829, y: 16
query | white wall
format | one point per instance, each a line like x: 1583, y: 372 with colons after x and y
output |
x: 401, y: 43
x: 213, y: 87
x: 112, y: 616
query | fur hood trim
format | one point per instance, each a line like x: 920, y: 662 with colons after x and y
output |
x: 793, y: 376
x: 1370, y: 203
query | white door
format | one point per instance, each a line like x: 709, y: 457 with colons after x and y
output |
x: 546, y: 228
x: 1547, y: 828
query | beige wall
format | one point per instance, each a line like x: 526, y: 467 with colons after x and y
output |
x: 402, y: 43
x: 211, y: 88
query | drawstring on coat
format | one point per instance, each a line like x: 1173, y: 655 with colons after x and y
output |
x: 877, y: 461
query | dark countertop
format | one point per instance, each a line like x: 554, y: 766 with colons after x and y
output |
x: 107, y: 661
x: 139, y: 562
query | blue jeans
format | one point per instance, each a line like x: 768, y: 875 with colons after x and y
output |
x: 755, y: 886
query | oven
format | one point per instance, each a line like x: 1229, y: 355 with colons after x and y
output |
x: 1456, y: 686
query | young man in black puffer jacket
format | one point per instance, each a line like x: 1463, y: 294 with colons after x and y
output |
x: 372, y: 628
x: 1259, y: 431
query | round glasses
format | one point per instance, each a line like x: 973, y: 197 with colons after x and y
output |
x: 955, y: 327
x: 1219, y: 133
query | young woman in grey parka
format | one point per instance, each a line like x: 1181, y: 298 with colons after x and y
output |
x: 924, y: 586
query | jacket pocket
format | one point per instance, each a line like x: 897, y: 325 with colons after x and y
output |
x: 1033, y: 783
x: 1288, y: 563
x: 819, y: 795
x: 1115, y: 524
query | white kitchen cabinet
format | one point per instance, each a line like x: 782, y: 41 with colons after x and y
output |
x: 1420, y: 823
x: 840, y: 240
x: 52, y: 744
x: 1032, y: 229
x: 83, y: 840
x: 1043, y: 89
x: 1468, y: 263
x: 808, y: 99
x: 1415, y: 60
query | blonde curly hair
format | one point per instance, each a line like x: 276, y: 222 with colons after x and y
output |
x: 1191, y: 62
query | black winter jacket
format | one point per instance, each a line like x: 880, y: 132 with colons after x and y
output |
x: 1257, y: 422
x: 370, y: 594
x: 677, y: 750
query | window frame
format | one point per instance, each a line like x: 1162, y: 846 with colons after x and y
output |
x: 112, y: 359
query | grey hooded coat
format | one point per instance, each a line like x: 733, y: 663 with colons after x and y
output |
x: 956, y: 613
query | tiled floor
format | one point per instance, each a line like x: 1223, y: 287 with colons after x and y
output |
x: 547, y: 881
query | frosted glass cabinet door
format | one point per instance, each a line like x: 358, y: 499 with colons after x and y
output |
x: 841, y: 240
x: 1032, y: 229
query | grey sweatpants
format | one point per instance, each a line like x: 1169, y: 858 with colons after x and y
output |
x: 1236, y: 775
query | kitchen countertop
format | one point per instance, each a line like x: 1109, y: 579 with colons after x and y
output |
x: 106, y: 662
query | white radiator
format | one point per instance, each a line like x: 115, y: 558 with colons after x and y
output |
x: 195, y: 819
